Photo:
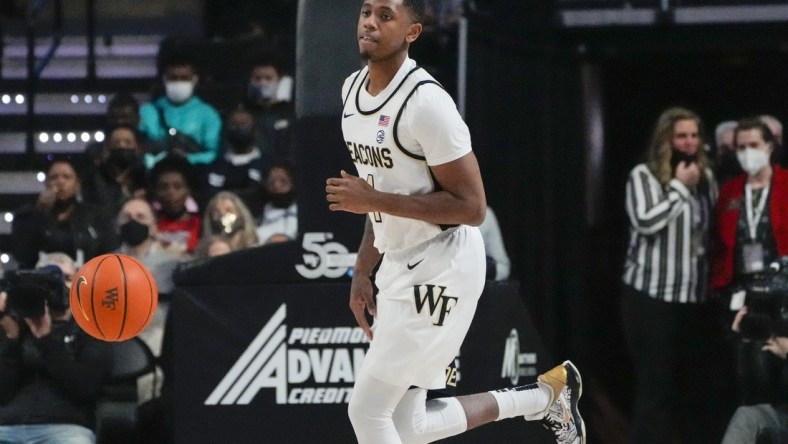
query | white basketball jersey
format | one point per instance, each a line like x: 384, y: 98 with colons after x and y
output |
x: 394, y: 137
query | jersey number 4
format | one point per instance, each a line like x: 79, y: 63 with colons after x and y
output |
x: 371, y: 182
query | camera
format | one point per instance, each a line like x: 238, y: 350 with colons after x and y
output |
x: 767, y: 303
x: 29, y: 291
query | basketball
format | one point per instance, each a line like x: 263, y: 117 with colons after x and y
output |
x: 113, y: 297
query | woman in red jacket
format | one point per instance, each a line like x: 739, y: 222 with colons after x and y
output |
x: 752, y: 232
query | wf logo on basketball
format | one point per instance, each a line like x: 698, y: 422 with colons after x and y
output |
x: 110, y: 298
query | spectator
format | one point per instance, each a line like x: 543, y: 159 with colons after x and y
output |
x: 138, y: 231
x: 61, y: 221
x: 280, y: 213
x: 178, y: 218
x: 180, y: 122
x: 241, y: 168
x: 766, y: 422
x: 669, y: 199
x: 61, y: 260
x: 498, y: 264
x: 269, y: 98
x: 227, y: 216
x: 51, y: 372
x: 727, y: 166
x: 752, y: 232
x: 122, y: 110
x: 120, y: 173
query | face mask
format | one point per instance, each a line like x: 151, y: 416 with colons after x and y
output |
x: 228, y: 224
x: 263, y: 92
x: 676, y: 157
x: 134, y: 233
x: 240, y: 137
x: 282, y: 200
x: 179, y: 91
x: 269, y: 91
x: 752, y: 160
x: 121, y: 159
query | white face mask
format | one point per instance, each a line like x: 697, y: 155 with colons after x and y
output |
x: 268, y: 91
x: 752, y: 160
x: 179, y: 91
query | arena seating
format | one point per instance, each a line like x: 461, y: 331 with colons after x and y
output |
x: 69, y: 109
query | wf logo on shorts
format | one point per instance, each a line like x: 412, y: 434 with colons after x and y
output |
x: 439, y: 306
x: 322, y: 373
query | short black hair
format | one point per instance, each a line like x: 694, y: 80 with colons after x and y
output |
x: 124, y: 100
x: 750, y: 123
x: 176, y: 56
x: 173, y: 164
x: 416, y: 8
x: 267, y: 59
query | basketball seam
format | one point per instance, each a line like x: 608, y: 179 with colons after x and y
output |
x: 93, y: 299
x: 125, y: 297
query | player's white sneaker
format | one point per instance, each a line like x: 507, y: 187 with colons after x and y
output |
x: 563, y: 417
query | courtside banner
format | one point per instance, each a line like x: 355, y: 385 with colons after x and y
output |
x: 277, y: 363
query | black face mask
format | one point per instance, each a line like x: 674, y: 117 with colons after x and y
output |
x: 677, y: 157
x: 121, y: 159
x: 281, y: 200
x: 240, y: 138
x: 134, y: 233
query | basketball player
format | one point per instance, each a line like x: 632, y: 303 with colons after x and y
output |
x: 419, y: 182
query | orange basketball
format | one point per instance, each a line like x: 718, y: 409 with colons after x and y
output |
x: 113, y: 297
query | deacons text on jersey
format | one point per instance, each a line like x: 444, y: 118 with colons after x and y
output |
x: 395, y: 136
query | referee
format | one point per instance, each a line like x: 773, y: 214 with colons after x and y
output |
x: 669, y: 201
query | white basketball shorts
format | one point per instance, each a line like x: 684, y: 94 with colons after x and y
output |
x: 426, y: 301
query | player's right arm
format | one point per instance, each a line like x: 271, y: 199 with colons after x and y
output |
x: 361, y: 294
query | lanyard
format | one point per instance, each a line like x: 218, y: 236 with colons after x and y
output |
x: 754, y: 214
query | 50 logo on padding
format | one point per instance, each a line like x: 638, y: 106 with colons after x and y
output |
x: 324, y: 258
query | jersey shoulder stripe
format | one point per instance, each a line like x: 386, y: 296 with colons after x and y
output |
x: 399, y: 115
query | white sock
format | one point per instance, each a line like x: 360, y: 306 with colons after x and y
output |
x: 530, y: 400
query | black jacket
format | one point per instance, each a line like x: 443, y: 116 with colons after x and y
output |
x: 52, y: 380
x: 88, y: 229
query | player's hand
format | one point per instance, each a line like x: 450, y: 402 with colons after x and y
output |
x: 349, y: 193
x: 42, y: 326
x: 688, y: 173
x: 361, y: 299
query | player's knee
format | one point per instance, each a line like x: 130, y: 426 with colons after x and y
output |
x: 361, y: 415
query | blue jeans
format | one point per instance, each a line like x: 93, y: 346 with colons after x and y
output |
x: 751, y: 421
x: 46, y: 434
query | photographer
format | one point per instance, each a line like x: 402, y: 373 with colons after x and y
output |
x: 768, y: 422
x: 51, y: 372
x: 752, y: 232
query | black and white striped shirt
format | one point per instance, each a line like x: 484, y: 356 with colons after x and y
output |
x: 669, y: 236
